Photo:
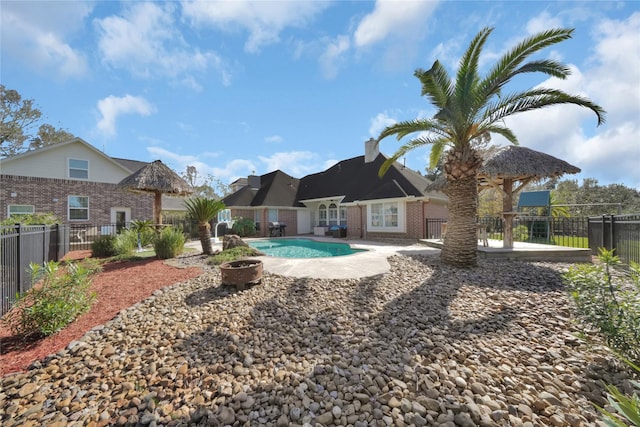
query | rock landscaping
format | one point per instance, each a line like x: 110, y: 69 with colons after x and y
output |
x: 425, y: 344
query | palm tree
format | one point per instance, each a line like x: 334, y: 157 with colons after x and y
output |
x: 469, y: 110
x: 204, y: 210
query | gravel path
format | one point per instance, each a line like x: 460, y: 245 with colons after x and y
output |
x: 425, y: 344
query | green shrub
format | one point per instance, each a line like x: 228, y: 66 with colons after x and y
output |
x: 50, y: 306
x: 126, y: 242
x: 233, y: 254
x: 244, y: 227
x: 626, y: 407
x: 104, y: 246
x: 146, y: 230
x: 609, y: 301
x: 169, y: 243
x: 521, y: 233
x: 47, y: 218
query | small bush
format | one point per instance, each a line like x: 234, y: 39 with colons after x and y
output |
x: 126, y: 242
x: 104, y: 246
x: 47, y: 218
x: 50, y: 306
x: 145, y: 229
x: 625, y: 406
x: 521, y: 233
x: 169, y: 243
x: 233, y: 254
x: 244, y: 227
x: 609, y: 301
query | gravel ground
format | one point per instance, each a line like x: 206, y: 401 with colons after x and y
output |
x: 425, y: 344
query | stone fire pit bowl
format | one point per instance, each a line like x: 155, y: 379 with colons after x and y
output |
x: 241, y: 273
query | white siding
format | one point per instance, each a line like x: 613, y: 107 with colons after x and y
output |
x: 54, y: 163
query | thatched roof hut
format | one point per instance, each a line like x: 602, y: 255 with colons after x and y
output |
x: 521, y: 164
x: 513, y: 165
x: 159, y: 179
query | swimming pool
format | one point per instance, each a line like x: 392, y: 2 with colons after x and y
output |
x: 302, y: 248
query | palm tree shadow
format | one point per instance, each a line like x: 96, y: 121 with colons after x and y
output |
x: 368, y: 336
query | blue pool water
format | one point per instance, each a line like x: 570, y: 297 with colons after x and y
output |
x: 302, y: 248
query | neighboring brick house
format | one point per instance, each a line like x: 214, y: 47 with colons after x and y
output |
x: 349, y: 194
x: 74, y: 181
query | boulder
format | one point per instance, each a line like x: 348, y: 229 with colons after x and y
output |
x: 231, y: 241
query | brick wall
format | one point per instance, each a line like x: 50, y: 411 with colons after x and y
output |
x: 42, y: 193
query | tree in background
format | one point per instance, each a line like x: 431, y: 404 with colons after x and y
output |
x: 18, y: 119
x: 469, y: 109
x: 210, y: 187
x: 48, y: 135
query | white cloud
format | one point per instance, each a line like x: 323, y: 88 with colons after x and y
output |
x: 36, y: 33
x: 334, y: 55
x: 112, y: 106
x: 295, y: 163
x: 263, y: 20
x: 379, y: 122
x: 397, y: 18
x: 232, y: 170
x: 543, y: 22
x: 273, y: 139
x: 145, y: 41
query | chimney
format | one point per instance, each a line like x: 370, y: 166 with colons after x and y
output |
x: 371, y: 150
x: 253, y: 182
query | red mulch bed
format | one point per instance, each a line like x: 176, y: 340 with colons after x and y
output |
x: 119, y: 285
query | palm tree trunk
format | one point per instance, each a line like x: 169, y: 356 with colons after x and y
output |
x: 460, y: 242
x: 204, y: 231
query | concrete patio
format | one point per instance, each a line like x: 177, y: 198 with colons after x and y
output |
x: 524, y: 251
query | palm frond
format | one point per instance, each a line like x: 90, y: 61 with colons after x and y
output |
x: 504, y: 131
x: 538, y: 98
x: 411, y: 145
x: 546, y: 66
x: 467, y: 76
x: 203, y: 209
x: 436, y: 84
x: 402, y: 129
x: 437, y: 149
x: 504, y: 69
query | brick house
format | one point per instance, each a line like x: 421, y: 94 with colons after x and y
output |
x: 74, y: 181
x: 349, y: 194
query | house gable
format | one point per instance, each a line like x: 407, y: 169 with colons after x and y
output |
x: 53, y: 161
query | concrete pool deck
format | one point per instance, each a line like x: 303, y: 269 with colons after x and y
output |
x: 355, y: 266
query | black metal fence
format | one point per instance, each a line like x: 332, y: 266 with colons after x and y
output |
x: 618, y: 232
x: 21, y: 245
x: 571, y: 232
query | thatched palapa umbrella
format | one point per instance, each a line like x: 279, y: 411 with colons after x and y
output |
x: 509, y: 166
x: 158, y: 179
x: 515, y: 165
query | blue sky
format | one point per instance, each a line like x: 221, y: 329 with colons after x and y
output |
x: 240, y: 87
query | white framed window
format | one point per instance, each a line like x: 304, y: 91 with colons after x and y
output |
x: 13, y: 210
x: 386, y: 216
x: 322, y: 215
x: 78, y: 169
x: 78, y: 208
x: 333, y: 214
x: 273, y: 215
x: 343, y: 215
